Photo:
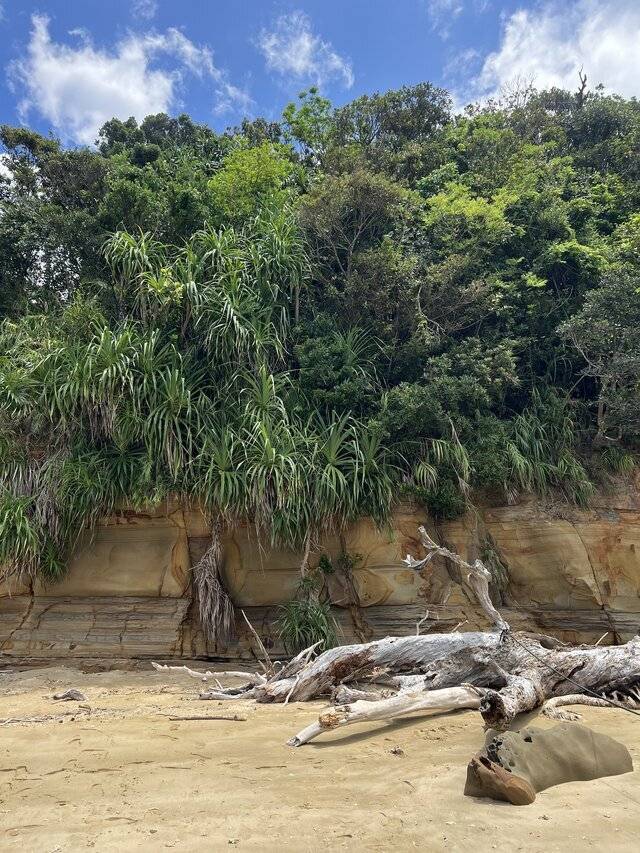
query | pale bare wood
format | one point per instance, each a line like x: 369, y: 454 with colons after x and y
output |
x: 477, y: 575
x: 235, y: 718
x: 255, y: 677
x: 404, y: 703
x: 551, y: 706
x: 521, y: 693
x: 267, y: 664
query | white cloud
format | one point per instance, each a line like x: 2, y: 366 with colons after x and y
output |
x: 292, y: 49
x: 461, y: 64
x: 551, y: 42
x: 442, y: 13
x: 145, y: 9
x: 77, y: 88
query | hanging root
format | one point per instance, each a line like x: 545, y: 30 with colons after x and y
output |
x: 215, y: 607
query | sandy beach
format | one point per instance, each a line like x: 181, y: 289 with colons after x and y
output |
x: 116, y: 773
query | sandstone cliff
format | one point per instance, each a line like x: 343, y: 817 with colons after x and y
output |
x: 569, y: 572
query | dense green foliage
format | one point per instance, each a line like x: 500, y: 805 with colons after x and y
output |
x: 299, y: 322
x: 306, y: 620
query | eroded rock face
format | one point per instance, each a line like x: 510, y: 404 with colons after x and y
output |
x: 258, y: 578
x: 134, y: 554
x: 514, y: 766
x: 589, y: 561
x: 126, y: 594
x: 575, y: 576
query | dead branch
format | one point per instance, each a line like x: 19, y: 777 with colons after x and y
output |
x: 234, y: 718
x: 389, y: 709
x: 477, y: 575
x: 205, y: 676
x: 266, y: 663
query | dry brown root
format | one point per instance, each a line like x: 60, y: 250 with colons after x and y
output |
x: 363, y: 711
x: 215, y: 607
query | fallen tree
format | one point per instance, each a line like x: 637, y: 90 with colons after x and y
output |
x: 499, y: 672
x: 501, y: 675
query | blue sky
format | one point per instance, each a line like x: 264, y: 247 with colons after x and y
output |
x: 68, y: 65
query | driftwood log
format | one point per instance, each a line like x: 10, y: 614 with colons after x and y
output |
x: 499, y: 672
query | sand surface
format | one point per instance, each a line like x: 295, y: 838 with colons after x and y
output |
x: 118, y: 774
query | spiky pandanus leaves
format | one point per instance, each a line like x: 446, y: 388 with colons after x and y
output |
x: 280, y: 254
x: 20, y: 541
x: 185, y: 393
x: 305, y: 620
x: 541, y: 453
x: 135, y: 261
x: 240, y: 316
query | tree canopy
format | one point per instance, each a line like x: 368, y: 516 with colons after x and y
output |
x: 297, y: 323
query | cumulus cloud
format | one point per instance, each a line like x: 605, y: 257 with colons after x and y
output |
x: 77, y: 88
x: 145, y: 9
x: 293, y: 50
x: 551, y: 42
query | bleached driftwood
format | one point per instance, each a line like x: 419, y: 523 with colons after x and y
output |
x: 236, y: 718
x: 404, y: 703
x: 206, y: 676
x: 551, y: 706
x: 509, y: 675
x: 477, y: 575
x: 498, y: 672
x: 281, y: 673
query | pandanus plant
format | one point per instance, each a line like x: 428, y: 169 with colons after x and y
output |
x: 184, y: 390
